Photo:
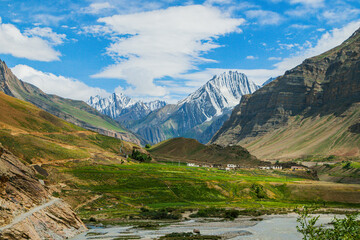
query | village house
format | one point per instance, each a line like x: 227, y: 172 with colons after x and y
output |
x: 298, y: 168
x: 264, y: 167
x: 192, y: 165
x: 231, y: 165
x: 276, y: 167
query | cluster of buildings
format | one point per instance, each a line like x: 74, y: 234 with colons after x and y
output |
x: 231, y: 166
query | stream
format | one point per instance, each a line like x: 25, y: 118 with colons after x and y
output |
x: 279, y: 227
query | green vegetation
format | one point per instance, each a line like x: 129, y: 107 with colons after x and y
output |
x: 347, y: 228
x: 160, y: 214
x: 147, y: 146
x: 217, y: 212
x: 141, y: 157
x: 125, y: 189
x: 188, y: 236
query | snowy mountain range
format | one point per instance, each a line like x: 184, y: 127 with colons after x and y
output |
x: 200, y: 115
x: 122, y: 108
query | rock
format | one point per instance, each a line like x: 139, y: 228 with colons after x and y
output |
x: 325, y: 85
x: 27, y: 209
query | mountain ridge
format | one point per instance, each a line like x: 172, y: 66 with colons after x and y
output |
x: 323, y: 89
x: 122, y: 108
x: 200, y: 114
x: 74, y: 111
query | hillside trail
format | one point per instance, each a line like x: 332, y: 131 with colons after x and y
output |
x: 23, y: 216
x: 88, y: 201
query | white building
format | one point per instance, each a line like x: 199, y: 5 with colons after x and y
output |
x: 231, y: 166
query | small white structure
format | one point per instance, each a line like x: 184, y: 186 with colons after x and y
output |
x: 298, y: 168
x: 276, y: 167
x: 192, y: 165
x: 264, y: 168
x: 231, y: 166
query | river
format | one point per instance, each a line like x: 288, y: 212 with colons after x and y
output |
x: 279, y: 227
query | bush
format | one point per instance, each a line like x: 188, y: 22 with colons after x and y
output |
x: 259, y: 190
x: 343, y: 229
x: 147, y: 146
x: 142, y: 157
x: 159, y: 214
x: 217, y: 212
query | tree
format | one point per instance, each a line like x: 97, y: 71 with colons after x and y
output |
x: 347, y: 228
x: 147, y: 146
x: 142, y: 157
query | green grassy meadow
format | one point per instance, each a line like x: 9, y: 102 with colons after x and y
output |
x: 122, y: 190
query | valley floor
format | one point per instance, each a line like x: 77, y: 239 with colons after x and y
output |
x: 129, y: 191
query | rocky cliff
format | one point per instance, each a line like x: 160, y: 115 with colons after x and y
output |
x: 199, y: 115
x: 286, y: 118
x: 27, y: 209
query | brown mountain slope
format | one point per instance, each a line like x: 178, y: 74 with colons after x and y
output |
x: 76, y: 112
x: 37, y: 136
x: 312, y: 109
x: 190, y: 150
x: 27, y: 209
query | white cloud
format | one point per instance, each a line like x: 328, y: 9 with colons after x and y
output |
x: 258, y: 76
x: 13, y: 42
x: 251, y: 57
x: 340, y: 14
x: 299, y: 26
x: 326, y: 42
x: 274, y: 58
x: 46, y: 33
x: 288, y: 46
x: 152, y: 45
x: 264, y: 17
x: 47, y: 19
x: 58, y: 85
x: 96, y: 8
x: 312, y: 3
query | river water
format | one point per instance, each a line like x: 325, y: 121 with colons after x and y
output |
x: 279, y: 227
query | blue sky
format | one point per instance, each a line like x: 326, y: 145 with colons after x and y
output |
x: 164, y: 49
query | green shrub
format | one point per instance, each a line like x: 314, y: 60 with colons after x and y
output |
x: 347, y: 228
x: 258, y: 190
x: 217, y: 212
x: 142, y: 157
x: 159, y: 214
x: 147, y: 146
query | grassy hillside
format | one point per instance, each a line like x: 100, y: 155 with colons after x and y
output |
x: 76, y: 112
x: 323, y: 135
x: 37, y: 136
x: 187, y: 149
x: 116, y: 191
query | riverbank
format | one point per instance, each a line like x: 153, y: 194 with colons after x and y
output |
x: 281, y: 227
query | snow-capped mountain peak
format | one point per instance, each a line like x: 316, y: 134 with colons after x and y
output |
x: 222, y: 92
x: 118, y: 104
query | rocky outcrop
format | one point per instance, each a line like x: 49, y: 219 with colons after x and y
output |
x: 199, y: 115
x: 27, y: 210
x: 328, y: 84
